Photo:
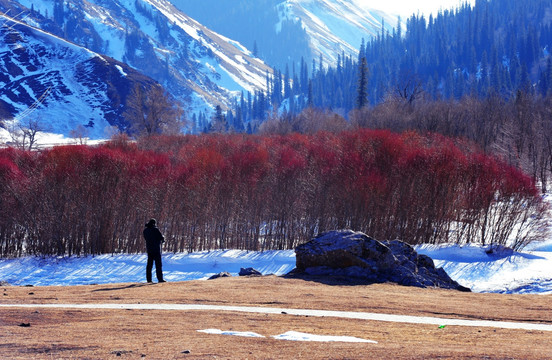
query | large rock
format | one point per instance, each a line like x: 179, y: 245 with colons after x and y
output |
x: 344, y: 249
x: 353, y: 255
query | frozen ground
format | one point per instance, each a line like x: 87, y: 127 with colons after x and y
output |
x: 529, y: 271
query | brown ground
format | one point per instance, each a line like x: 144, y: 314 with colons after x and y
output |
x: 152, y: 334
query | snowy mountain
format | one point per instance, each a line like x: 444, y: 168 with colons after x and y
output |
x: 196, y: 65
x: 336, y: 26
x: 66, y: 85
x: 286, y: 30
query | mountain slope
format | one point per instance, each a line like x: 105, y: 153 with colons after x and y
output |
x: 286, y: 30
x: 336, y: 26
x: 193, y: 63
x: 66, y: 85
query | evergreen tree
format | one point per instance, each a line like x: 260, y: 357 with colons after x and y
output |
x: 287, y: 86
x: 362, y: 95
x: 255, y: 49
x: 310, y: 97
x: 490, y: 47
x: 218, y: 122
x: 59, y: 12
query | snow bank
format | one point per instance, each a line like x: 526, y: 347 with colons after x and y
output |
x: 513, y: 272
x: 508, y: 272
x: 123, y: 268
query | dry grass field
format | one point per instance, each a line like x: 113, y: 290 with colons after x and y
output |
x: 170, y: 334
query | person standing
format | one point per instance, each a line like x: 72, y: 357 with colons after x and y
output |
x: 154, y: 239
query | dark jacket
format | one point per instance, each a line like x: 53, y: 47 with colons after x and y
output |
x: 154, y: 238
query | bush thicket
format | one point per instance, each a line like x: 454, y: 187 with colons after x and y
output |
x: 260, y: 192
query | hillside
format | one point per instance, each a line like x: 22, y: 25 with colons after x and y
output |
x: 69, y: 86
x: 196, y: 65
x: 286, y: 31
x: 489, y: 49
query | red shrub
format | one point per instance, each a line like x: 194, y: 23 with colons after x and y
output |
x: 263, y: 192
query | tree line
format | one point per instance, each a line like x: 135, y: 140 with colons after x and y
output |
x: 490, y: 48
x: 261, y: 192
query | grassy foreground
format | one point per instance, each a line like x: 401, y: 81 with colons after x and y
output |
x: 168, y: 334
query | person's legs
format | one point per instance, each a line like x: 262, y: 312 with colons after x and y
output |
x: 159, y: 268
x: 149, y: 266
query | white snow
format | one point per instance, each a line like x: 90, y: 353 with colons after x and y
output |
x: 229, y: 332
x: 529, y: 271
x: 300, y: 336
x: 336, y: 25
x: 291, y: 335
x: 63, y: 114
x: 231, y: 68
x: 50, y: 38
x: 123, y: 268
x: 120, y: 68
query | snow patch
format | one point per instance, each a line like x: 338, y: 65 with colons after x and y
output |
x: 507, y: 272
x: 292, y: 336
x: 233, y: 333
x: 123, y: 73
x: 300, y: 336
x: 105, y: 269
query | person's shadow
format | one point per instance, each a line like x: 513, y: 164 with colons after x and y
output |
x: 122, y: 287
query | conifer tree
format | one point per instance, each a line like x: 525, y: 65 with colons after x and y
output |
x: 362, y: 91
x: 59, y: 13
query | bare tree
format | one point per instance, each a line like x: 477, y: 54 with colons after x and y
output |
x: 112, y: 131
x: 153, y: 112
x: 24, y: 133
x: 80, y: 134
x: 275, y: 124
x: 311, y: 121
x: 409, y: 87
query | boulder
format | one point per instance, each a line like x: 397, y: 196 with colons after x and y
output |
x: 342, y: 249
x: 346, y: 254
x: 219, y: 275
x: 249, y: 272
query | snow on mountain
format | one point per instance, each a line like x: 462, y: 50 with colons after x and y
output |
x: 336, y: 26
x: 66, y: 85
x: 197, y: 66
x: 194, y: 64
x: 227, y: 63
x: 284, y: 31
